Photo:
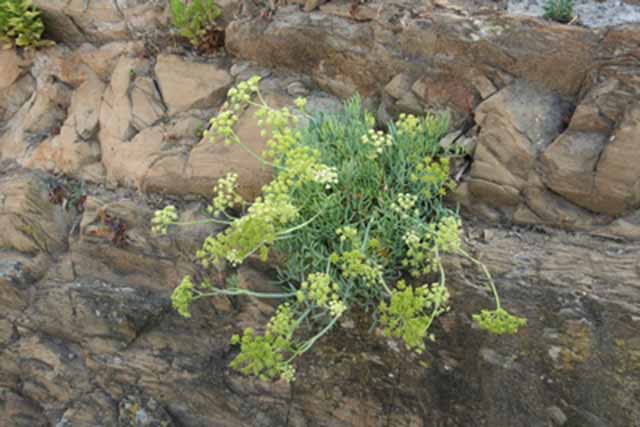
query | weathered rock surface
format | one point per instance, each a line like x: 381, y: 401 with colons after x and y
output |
x: 549, y: 120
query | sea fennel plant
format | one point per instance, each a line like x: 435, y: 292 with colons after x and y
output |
x: 21, y: 24
x: 354, y: 213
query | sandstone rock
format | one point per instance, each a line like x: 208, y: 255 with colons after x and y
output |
x: 49, y: 374
x: 18, y: 272
x: 9, y: 68
x: 17, y: 411
x: 115, y: 110
x: 85, y: 108
x: 570, y: 164
x: 15, y: 96
x: 30, y: 222
x: 69, y: 151
x: 399, y: 85
x: 146, y: 105
x: 100, y: 21
x: 102, y: 60
x: 209, y: 162
x: 92, y: 313
x: 363, y: 56
x: 189, y: 85
x: 95, y: 408
x: 617, y: 179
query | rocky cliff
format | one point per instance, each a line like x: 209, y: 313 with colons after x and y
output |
x: 105, y: 127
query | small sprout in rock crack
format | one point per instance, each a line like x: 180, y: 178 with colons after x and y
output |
x: 69, y: 195
x: 559, y: 10
x: 57, y: 194
x: 117, y: 227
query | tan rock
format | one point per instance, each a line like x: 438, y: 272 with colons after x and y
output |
x: 84, y: 112
x: 102, y: 60
x: 399, y: 85
x: 49, y: 374
x: 20, y: 412
x: 569, y: 165
x: 14, y: 96
x: 187, y: 85
x: 209, y: 162
x: 9, y: 69
x: 617, y: 178
x: 65, y: 153
x: 146, y: 105
x: 30, y: 223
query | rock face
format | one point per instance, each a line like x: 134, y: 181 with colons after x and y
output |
x: 104, y: 128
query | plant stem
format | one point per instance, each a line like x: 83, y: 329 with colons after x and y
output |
x: 237, y: 292
x: 492, y: 285
x: 307, y: 345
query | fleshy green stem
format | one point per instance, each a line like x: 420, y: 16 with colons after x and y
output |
x: 492, y: 285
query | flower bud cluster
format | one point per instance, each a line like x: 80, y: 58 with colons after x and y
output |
x: 378, y: 141
x: 162, y: 219
x: 433, y: 176
x: 226, y: 196
x: 221, y: 125
x: 408, y: 125
x: 411, y: 311
x: 326, y: 175
x: 405, y: 203
x: 319, y: 289
x: 182, y: 297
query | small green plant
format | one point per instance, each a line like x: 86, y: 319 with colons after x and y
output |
x: 21, y: 23
x: 357, y: 217
x: 559, y: 10
x: 194, y: 19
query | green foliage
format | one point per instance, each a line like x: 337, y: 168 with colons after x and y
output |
x: 498, y: 321
x: 350, y: 211
x: 20, y: 23
x: 194, y: 18
x: 411, y: 311
x: 559, y: 10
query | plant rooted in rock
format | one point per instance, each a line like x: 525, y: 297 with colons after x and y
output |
x: 21, y: 24
x: 559, y: 10
x: 351, y: 210
x: 196, y: 21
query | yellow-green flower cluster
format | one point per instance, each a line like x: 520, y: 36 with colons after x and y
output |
x: 347, y: 234
x: 410, y: 312
x: 263, y: 355
x: 433, y: 125
x: 221, y: 125
x: 420, y: 258
x: 242, y: 93
x: 446, y: 235
x: 499, y: 321
x: 162, y: 219
x: 319, y: 289
x: 423, y: 253
x: 182, y: 297
x: 226, y: 195
x: 404, y: 203
x: 408, y: 125
x: 434, y: 177
x: 355, y: 264
x: 378, y: 140
x: 326, y: 175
